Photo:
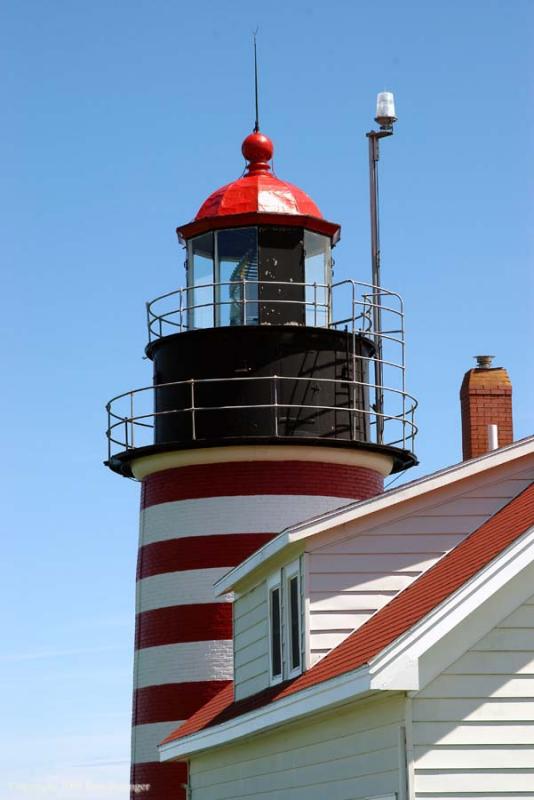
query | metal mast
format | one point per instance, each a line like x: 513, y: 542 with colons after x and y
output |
x: 385, y: 117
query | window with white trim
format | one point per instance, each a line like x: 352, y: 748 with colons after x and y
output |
x: 274, y: 587
x: 285, y: 623
x: 294, y: 626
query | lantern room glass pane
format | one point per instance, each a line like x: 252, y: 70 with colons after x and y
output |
x: 317, y: 269
x: 237, y: 277
x: 200, y: 282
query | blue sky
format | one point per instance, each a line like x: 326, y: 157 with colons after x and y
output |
x: 119, y: 119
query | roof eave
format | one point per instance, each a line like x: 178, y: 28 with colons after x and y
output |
x: 316, y: 224
x: 294, y: 706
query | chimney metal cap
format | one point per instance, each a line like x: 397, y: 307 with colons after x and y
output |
x: 484, y: 362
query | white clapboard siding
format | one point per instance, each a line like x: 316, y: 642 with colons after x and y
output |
x: 351, y: 753
x: 508, y: 783
x: 505, y: 488
x: 350, y: 602
x: 336, y: 621
x: 355, y: 574
x: 251, y: 644
x: 472, y: 734
x: 473, y: 725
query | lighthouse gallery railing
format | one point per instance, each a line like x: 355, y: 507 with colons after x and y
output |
x: 131, y: 418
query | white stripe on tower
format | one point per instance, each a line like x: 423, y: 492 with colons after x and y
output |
x: 196, y: 523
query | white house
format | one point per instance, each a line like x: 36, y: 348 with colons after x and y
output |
x: 383, y: 650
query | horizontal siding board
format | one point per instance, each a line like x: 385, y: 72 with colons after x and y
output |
x: 462, y: 523
x: 473, y: 709
x: 483, y: 686
x: 375, y: 563
x: 505, y: 489
x: 522, y: 617
x: 472, y: 757
x: 497, y: 663
x: 456, y: 733
x: 252, y: 669
x: 347, y: 581
x: 327, y: 640
x: 252, y: 685
x: 254, y: 651
x: 249, y: 601
x: 316, y: 655
x: 469, y: 506
x: 251, y: 619
x: 349, y: 601
x: 335, y: 620
x: 507, y: 639
x: 471, y: 781
x: 251, y: 635
x: 383, y: 542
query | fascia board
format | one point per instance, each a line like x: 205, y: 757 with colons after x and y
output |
x: 363, y: 508
x: 317, y: 698
x: 397, y: 664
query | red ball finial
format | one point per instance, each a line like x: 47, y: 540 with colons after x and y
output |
x: 258, y: 150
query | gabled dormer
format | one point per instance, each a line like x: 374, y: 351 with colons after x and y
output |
x: 307, y: 590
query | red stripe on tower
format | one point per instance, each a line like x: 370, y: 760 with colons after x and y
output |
x: 261, y: 478
x: 185, y: 623
x: 197, y: 552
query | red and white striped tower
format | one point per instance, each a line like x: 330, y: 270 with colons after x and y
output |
x: 263, y: 418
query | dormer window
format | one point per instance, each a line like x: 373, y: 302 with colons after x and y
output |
x: 285, y: 623
x: 294, y: 620
x: 275, y: 631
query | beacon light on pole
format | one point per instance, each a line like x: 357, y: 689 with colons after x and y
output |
x: 385, y: 117
x: 385, y: 110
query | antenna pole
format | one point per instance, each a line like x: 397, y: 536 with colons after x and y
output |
x: 386, y: 129
x: 257, y: 122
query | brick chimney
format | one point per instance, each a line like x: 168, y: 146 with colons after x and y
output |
x: 486, y: 402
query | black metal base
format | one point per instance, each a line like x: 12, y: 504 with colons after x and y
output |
x: 261, y: 381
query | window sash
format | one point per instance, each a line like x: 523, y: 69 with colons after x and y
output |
x: 295, y: 655
x: 275, y: 633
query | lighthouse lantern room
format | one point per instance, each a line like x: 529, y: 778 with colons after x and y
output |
x: 264, y: 410
x: 250, y: 351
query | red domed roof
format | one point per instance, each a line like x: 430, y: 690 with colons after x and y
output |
x: 256, y: 195
x: 258, y: 191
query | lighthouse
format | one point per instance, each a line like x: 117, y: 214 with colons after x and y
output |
x: 264, y: 410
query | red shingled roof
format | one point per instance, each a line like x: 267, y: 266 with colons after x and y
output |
x: 394, y: 619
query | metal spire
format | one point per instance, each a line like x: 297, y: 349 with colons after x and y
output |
x: 257, y: 122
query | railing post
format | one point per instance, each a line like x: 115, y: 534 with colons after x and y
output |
x: 193, y: 418
x: 244, y: 283
x: 275, y: 407
x: 314, y: 303
x: 132, y: 423
x: 108, y: 409
x: 180, y: 292
x: 147, y: 306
